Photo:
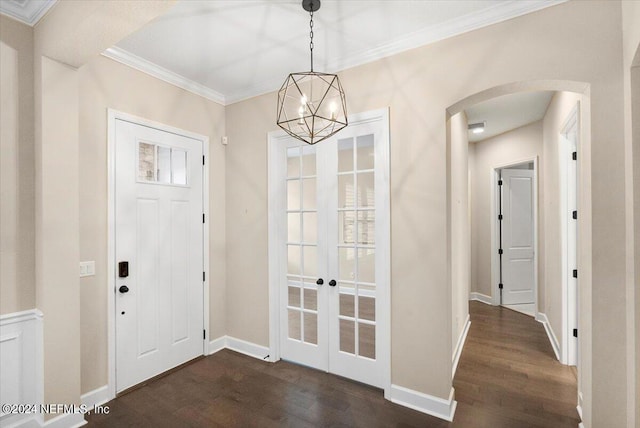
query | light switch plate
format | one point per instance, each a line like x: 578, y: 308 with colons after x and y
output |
x: 87, y: 268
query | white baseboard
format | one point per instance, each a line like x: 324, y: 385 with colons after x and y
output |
x: 94, y: 398
x: 67, y: 420
x: 458, y: 351
x: 542, y: 318
x: 217, y: 344
x: 425, y: 403
x: 481, y: 298
x: 242, y: 346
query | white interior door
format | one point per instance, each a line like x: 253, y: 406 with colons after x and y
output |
x: 518, y: 239
x: 334, y: 284
x: 159, y: 233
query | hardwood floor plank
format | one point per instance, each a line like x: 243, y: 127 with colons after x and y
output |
x: 507, y: 377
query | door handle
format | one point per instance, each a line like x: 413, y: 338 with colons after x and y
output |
x: 332, y: 283
x: 123, y: 289
x: 320, y: 281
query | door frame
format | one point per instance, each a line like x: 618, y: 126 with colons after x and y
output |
x: 114, y: 115
x: 569, y: 306
x: 495, y: 231
x: 277, y: 204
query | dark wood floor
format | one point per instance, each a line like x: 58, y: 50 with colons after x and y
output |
x: 507, y: 377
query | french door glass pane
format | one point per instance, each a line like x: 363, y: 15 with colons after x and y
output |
x: 309, y: 201
x: 293, y: 162
x: 366, y: 190
x: 345, y: 155
x: 293, y: 258
x: 367, y: 265
x: 311, y: 328
x: 347, y: 336
x: 293, y: 227
x: 346, y: 227
x: 366, y: 307
x: 308, y: 161
x: 365, y: 153
x: 294, y: 297
x: 310, y: 260
x: 293, y: 195
x: 346, y: 196
x: 294, y: 324
x: 347, y: 303
x: 310, y: 299
x: 366, y: 227
x: 367, y: 340
x: 347, y: 267
x: 310, y: 229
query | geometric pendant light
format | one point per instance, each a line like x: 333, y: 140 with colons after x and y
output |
x: 311, y: 105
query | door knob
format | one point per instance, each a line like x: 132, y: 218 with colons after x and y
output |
x: 123, y: 289
x: 320, y: 281
x: 332, y: 283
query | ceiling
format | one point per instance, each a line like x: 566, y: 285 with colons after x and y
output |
x: 235, y: 49
x: 503, y: 114
x: 27, y: 11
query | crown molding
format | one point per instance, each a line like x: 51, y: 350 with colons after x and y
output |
x: 148, y: 67
x: 451, y: 28
x: 26, y: 11
x: 444, y: 30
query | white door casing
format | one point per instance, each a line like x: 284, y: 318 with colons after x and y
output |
x: 518, y: 236
x: 159, y: 231
x: 350, y: 224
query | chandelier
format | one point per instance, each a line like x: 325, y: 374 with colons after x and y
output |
x: 311, y: 105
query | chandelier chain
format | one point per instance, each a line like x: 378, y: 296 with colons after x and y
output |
x: 311, y: 38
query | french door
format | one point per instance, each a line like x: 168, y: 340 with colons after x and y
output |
x: 333, y: 242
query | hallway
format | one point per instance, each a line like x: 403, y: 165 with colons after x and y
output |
x: 507, y: 377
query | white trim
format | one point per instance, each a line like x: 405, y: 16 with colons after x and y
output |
x: 94, y: 398
x: 460, y: 345
x: 495, y: 269
x: 22, y: 316
x: 542, y: 318
x: 479, y: 297
x: 124, y: 57
x: 67, y: 420
x: 29, y: 12
x: 112, y: 116
x: 247, y: 348
x: 217, y: 345
x: 579, y: 406
x: 425, y: 403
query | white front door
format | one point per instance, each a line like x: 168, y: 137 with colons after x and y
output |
x: 159, y: 251
x: 335, y: 257
x: 518, y: 237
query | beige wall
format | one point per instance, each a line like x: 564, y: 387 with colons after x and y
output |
x: 521, y: 144
x: 558, y: 112
x: 631, y: 58
x: 460, y: 232
x: 108, y: 84
x: 17, y: 251
x: 419, y: 85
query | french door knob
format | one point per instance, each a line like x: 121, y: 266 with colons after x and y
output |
x: 123, y: 289
x: 332, y: 283
x: 320, y: 281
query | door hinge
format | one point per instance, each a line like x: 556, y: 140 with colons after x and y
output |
x: 574, y: 214
x: 203, y: 277
x: 499, y: 216
x: 203, y: 217
x: 202, y: 159
x: 500, y: 251
x: 204, y: 334
x: 575, y: 332
x: 499, y: 182
x: 574, y: 155
x: 501, y: 286
x: 575, y: 273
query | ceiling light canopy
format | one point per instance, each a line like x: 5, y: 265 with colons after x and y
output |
x: 477, y: 128
x: 311, y: 105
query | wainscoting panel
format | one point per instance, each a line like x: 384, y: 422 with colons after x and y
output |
x: 20, y: 363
